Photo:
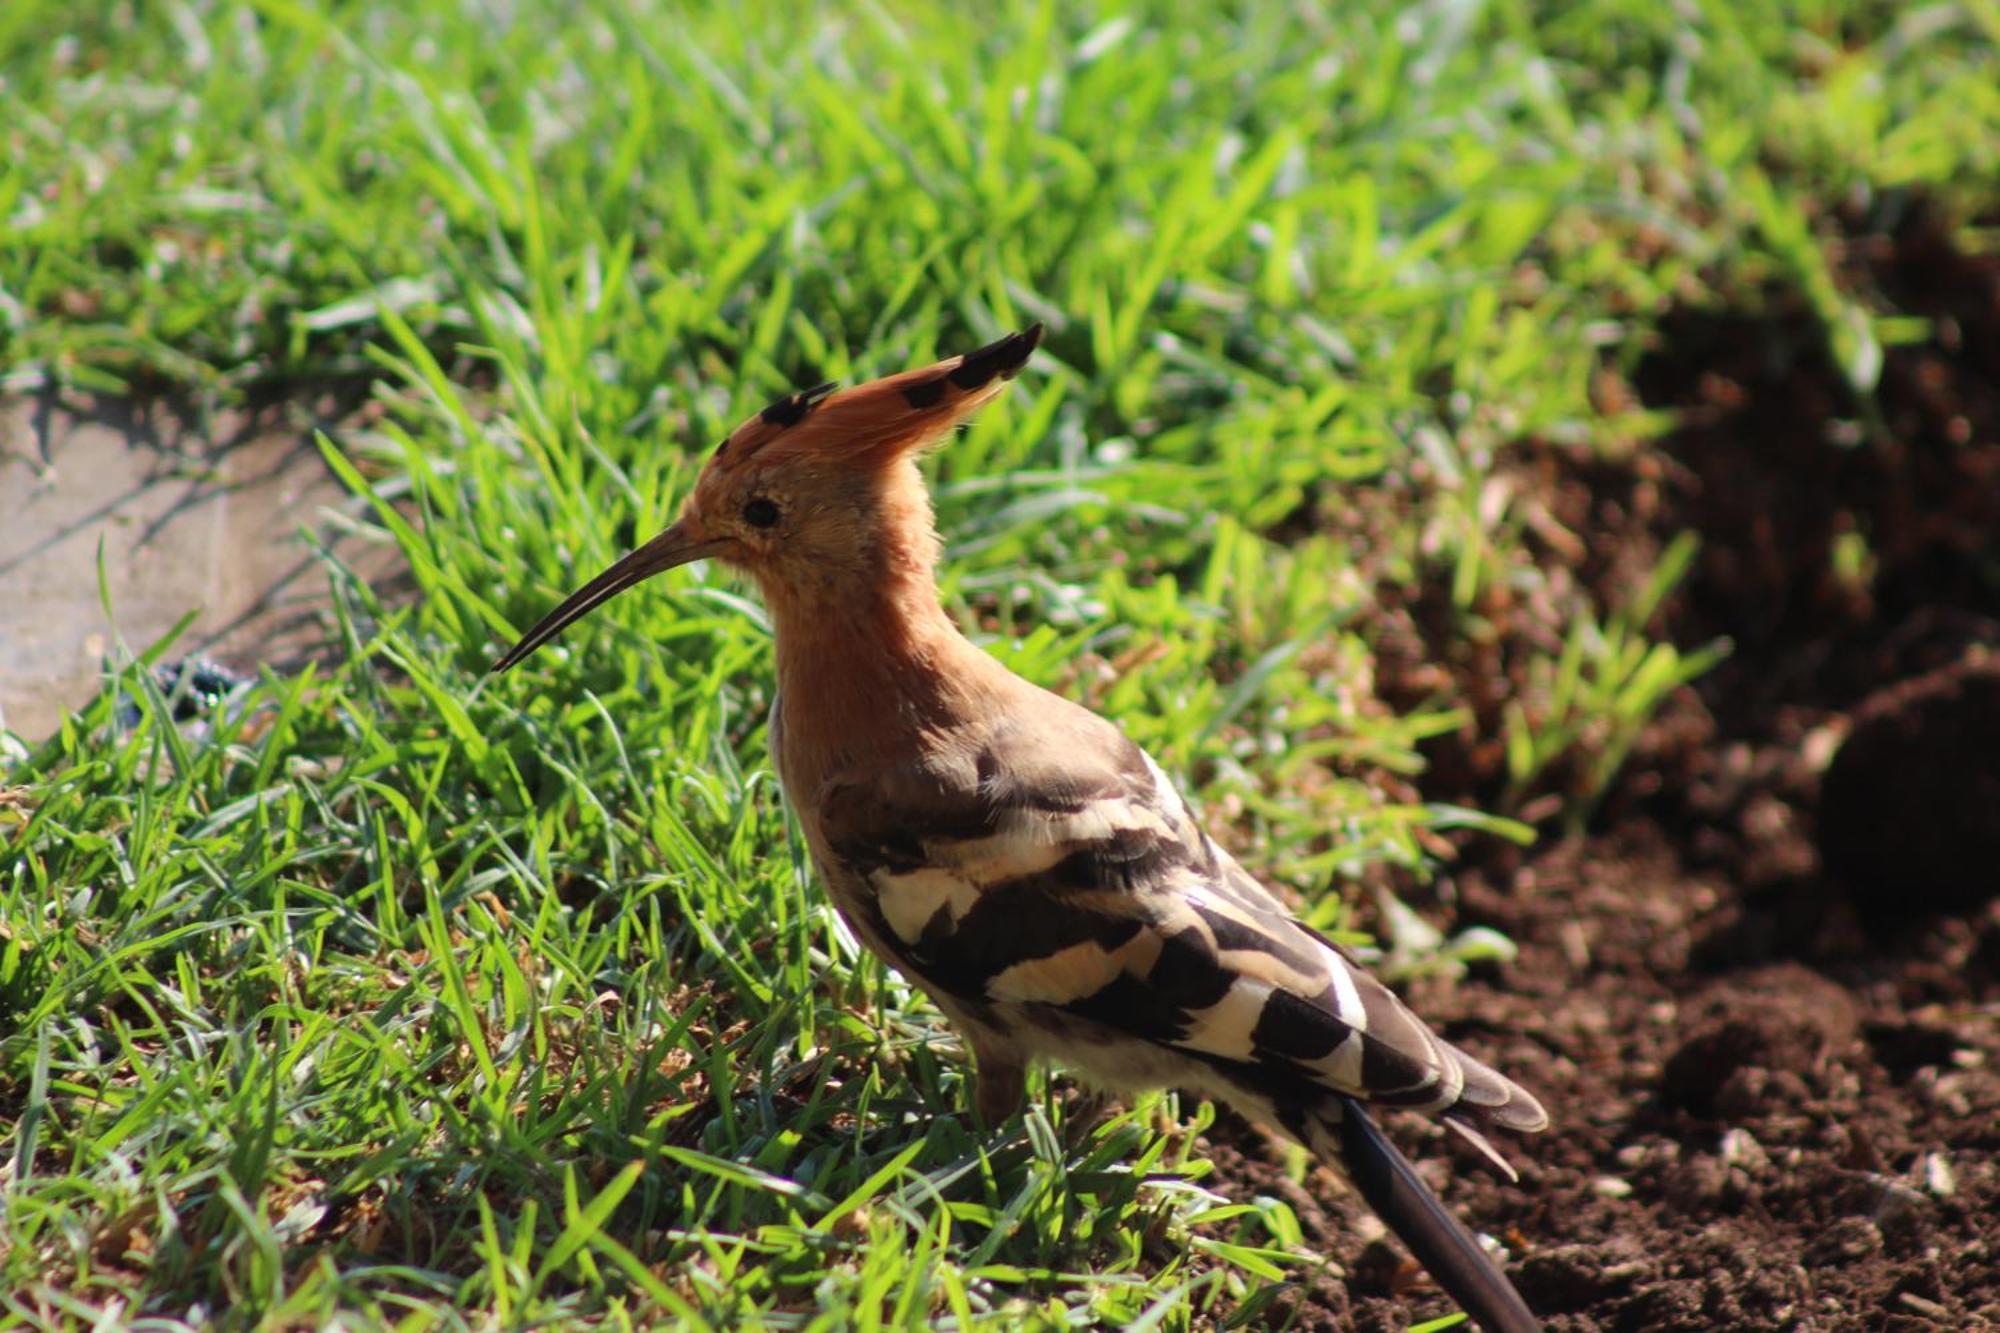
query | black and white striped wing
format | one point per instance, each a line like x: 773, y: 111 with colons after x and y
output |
x: 1049, y: 878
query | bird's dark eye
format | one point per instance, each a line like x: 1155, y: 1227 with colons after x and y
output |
x: 760, y: 513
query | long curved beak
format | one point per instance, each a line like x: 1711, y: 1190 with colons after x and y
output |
x: 676, y: 546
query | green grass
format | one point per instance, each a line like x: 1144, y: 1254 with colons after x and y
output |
x: 407, y: 997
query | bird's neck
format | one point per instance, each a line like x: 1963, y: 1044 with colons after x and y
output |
x: 870, y: 667
x: 873, y: 682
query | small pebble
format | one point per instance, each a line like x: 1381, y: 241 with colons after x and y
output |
x: 1939, y: 1178
x: 1740, y: 1148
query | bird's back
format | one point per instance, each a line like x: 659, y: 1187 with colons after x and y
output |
x: 1038, y: 873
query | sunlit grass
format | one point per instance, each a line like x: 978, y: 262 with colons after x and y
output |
x: 407, y: 995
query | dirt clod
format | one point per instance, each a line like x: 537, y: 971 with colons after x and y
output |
x: 1909, y: 816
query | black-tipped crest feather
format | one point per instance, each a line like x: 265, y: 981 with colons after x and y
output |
x: 793, y: 407
x: 1003, y: 358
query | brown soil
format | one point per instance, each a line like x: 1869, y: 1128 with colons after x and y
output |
x: 1761, y: 996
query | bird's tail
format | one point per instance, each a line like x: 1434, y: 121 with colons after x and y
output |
x: 1347, y: 1139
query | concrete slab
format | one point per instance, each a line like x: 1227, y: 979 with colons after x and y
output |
x: 190, y: 518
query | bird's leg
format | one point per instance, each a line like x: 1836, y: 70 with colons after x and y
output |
x: 1000, y: 1085
x: 1085, y: 1109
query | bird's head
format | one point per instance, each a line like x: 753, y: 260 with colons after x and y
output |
x: 817, y: 495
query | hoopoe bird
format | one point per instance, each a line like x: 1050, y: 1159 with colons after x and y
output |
x: 1015, y: 855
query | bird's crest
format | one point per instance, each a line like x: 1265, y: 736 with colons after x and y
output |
x: 881, y: 420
